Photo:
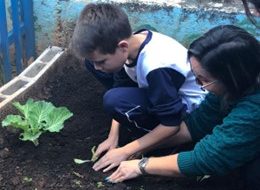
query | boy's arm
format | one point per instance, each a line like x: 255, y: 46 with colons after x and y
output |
x: 154, y: 137
x: 114, y: 131
x: 115, y: 156
x: 163, y: 93
x: 112, y: 140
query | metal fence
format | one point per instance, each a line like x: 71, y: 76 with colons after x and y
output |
x: 17, y: 39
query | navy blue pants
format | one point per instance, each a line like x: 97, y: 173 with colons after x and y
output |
x: 251, y: 174
x: 117, y: 108
x: 129, y: 106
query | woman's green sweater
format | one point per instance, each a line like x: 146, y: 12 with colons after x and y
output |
x: 224, y: 142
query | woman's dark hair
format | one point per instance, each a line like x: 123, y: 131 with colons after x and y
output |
x: 256, y: 4
x: 99, y: 27
x: 232, y: 56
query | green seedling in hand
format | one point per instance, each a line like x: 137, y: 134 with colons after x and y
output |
x: 94, y: 157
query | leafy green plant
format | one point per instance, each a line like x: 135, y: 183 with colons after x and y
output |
x: 93, y: 158
x: 37, y: 117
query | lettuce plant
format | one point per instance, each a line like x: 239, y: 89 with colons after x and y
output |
x: 37, y: 117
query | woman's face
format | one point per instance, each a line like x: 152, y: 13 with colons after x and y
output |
x: 254, y: 8
x: 204, y: 78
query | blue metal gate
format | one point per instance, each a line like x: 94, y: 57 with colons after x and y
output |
x: 21, y: 36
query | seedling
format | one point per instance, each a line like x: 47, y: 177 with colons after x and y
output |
x: 100, y: 184
x: 77, y: 183
x: 27, y: 179
x: 37, y: 117
x: 93, y: 158
x: 78, y: 174
x: 202, y: 178
x: 79, y: 161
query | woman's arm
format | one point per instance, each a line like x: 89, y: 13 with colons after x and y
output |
x: 165, y: 166
x: 230, y: 145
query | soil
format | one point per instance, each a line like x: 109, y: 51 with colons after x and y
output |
x: 50, y: 165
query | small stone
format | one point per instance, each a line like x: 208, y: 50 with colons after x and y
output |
x: 15, y: 180
x: 5, y: 153
x: 1, y: 142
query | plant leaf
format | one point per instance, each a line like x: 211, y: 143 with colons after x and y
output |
x: 79, y: 161
x: 24, y: 109
x: 28, y: 135
x: 16, y: 121
x: 55, y: 120
x: 100, y: 184
x: 202, y: 178
x: 38, y: 114
x: 38, y: 117
x: 93, y: 158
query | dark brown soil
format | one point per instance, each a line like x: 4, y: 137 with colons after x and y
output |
x: 50, y: 165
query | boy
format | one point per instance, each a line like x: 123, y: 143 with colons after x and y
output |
x: 166, y: 86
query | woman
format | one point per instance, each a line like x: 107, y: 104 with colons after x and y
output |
x: 255, y: 11
x: 226, y: 126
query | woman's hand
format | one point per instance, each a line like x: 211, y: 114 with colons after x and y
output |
x: 164, y: 166
x: 111, y: 159
x: 126, y: 170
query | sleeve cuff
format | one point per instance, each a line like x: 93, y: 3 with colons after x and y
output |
x: 186, y: 164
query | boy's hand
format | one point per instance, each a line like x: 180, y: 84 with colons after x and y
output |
x: 108, y: 144
x: 111, y: 159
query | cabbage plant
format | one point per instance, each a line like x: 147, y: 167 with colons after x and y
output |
x: 37, y: 117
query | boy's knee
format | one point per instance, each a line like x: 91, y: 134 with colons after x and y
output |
x: 110, y: 100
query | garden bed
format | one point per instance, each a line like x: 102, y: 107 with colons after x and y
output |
x: 51, y: 166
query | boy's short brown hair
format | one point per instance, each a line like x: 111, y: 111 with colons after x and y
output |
x: 99, y: 27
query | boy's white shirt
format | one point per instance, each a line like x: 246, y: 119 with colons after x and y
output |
x: 175, y: 57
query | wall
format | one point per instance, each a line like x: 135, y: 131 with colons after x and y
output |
x: 181, y: 19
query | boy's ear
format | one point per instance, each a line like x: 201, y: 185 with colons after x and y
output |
x: 123, y: 44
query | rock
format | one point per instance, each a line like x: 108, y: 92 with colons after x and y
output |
x: 1, y: 142
x: 15, y: 180
x: 5, y: 153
